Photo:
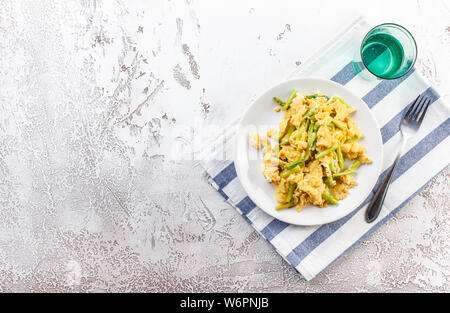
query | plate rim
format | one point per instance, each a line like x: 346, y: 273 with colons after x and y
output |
x: 236, y: 144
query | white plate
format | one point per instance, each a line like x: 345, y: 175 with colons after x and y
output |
x: 260, y: 116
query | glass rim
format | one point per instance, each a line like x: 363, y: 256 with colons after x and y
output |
x: 400, y: 27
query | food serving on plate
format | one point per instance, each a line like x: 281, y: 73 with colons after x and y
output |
x: 306, y: 165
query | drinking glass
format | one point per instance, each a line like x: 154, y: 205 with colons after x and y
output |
x: 388, y: 51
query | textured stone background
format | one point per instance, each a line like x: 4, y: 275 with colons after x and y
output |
x: 100, y: 102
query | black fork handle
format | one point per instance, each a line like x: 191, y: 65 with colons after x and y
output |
x: 375, y: 205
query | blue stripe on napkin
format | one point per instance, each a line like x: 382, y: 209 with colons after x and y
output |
x: 345, y: 75
x: 392, y: 127
x: 246, y: 205
x: 223, y: 194
x: 225, y: 176
x: 383, y: 89
x: 273, y: 229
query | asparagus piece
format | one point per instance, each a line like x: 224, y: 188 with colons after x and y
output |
x: 346, y: 172
x: 310, y: 113
x: 288, y: 172
x: 289, y: 101
x: 316, y: 128
x: 291, y: 187
x: 341, y: 100
x: 295, y: 163
x: 281, y: 134
x: 284, y: 206
x: 279, y: 101
x: 354, y: 139
x: 316, y: 96
x: 338, y: 124
x: 340, y: 156
x: 326, y: 151
x: 329, y: 181
x: 333, y: 166
x: 285, y: 139
x: 354, y: 165
x: 303, y: 127
x: 312, y: 135
x: 330, y: 199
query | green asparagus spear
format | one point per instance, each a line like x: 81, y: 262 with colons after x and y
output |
x: 310, y: 113
x: 289, y: 101
x: 279, y: 101
x: 354, y: 165
x: 281, y: 134
x: 316, y: 128
x: 285, y: 139
x: 295, y: 163
x: 316, y: 96
x: 351, y: 140
x: 288, y: 172
x: 330, y: 199
x: 354, y: 139
x: 346, y: 172
x: 333, y: 167
x: 341, y: 100
x: 340, y: 157
x: 338, y: 124
x: 304, y: 126
x: 284, y: 206
x: 310, y: 132
x: 312, y: 135
x: 291, y: 188
x: 329, y: 181
x: 325, y: 152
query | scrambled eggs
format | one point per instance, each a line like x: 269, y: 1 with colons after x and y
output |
x: 307, y: 163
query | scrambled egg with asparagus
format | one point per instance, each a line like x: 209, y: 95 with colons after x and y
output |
x: 306, y: 165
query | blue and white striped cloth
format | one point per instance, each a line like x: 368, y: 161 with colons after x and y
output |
x: 311, y: 249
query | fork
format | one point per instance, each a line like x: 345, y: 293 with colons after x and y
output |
x: 409, y: 126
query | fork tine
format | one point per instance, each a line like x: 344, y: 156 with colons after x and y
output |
x: 418, y: 108
x: 411, y: 107
x: 424, y: 111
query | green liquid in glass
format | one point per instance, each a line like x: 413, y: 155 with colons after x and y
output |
x: 383, y: 55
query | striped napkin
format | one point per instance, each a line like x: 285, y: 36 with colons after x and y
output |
x: 311, y: 249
